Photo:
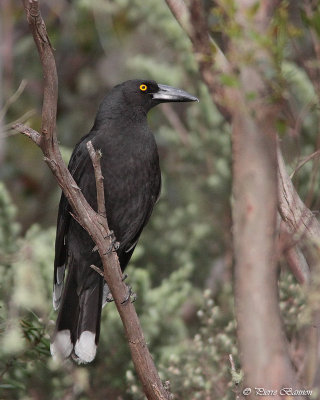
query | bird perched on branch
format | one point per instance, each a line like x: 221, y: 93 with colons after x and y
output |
x: 132, y: 181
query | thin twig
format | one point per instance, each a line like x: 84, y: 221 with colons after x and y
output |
x: 297, y: 217
x: 289, y: 247
x: 31, y: 133
x: 95, y: 158
x: 21, y: 120
x: 98, y: 270
x: 304, y: 161
x: 13, y: 98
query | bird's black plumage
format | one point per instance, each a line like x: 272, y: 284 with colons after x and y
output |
x: 132, y: 181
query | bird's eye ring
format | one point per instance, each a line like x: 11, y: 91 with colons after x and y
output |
x: 143, y: 87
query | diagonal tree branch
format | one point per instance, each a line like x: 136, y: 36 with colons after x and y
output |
x: 297, y: 217
x: 94, y: 223
x: 293, y: 254
x: 304, y: 228
x: 29, y: 132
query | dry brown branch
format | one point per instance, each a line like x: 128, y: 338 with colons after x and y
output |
x: 95, y: 158
x: 97, y: 269
x: 29, y: 132
x: 95, y: 224
x: 304, y: 161
x: 298, y: 218
x: 305, y: 229
x: 294, y: 256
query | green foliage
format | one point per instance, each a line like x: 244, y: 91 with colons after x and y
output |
x: 199, y: 368
x: 23, y: 336
x: 9, y: 228
x: 202, y: 369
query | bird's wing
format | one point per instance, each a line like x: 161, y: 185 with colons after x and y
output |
x: 76, y: 165
x: 143, y: 213
x: 131, y: 238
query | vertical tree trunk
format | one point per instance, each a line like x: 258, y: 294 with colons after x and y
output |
x: 263, y: 347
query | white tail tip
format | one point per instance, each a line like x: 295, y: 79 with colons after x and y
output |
x: 62, y: 346
x: 85, y: 348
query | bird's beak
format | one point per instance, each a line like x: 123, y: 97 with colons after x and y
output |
x: 169, y: 94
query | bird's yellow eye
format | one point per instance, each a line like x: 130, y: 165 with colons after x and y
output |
x: 143, y: 87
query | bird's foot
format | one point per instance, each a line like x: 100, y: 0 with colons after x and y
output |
x: 131, y: 294
x: 114, y: 246
x: 109, y: 298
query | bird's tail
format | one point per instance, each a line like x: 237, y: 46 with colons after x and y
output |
x: 78, y: 323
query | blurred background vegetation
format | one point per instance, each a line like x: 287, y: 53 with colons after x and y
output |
x: 182, y: 267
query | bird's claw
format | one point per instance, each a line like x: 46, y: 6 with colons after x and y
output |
x: 109, y: 298
x: 114, y: 246
x: 130, y: 294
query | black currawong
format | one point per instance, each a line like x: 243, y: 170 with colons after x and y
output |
x: 132, y: 181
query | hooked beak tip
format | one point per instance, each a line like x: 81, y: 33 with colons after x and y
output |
x: 171, y: 94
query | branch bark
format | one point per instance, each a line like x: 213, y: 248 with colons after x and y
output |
x: 95, y: 224
x: 304, y: 229
x: 95, y: 158
x: 298, y: 218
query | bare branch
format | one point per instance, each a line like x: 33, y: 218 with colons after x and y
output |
x: 298, y: 218
x: 305, y: 228
x: 22, y: 119
x: 294, y: 257
x: 31, y: 133
x: 50, y: 91
x: 304, y: 161
x: 13, y: 98
x: 95, y: 158
x: 98, y: 270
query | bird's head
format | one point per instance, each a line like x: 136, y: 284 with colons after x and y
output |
x: 148, y: 93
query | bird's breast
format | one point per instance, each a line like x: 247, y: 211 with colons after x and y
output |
x: 130, y: 166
